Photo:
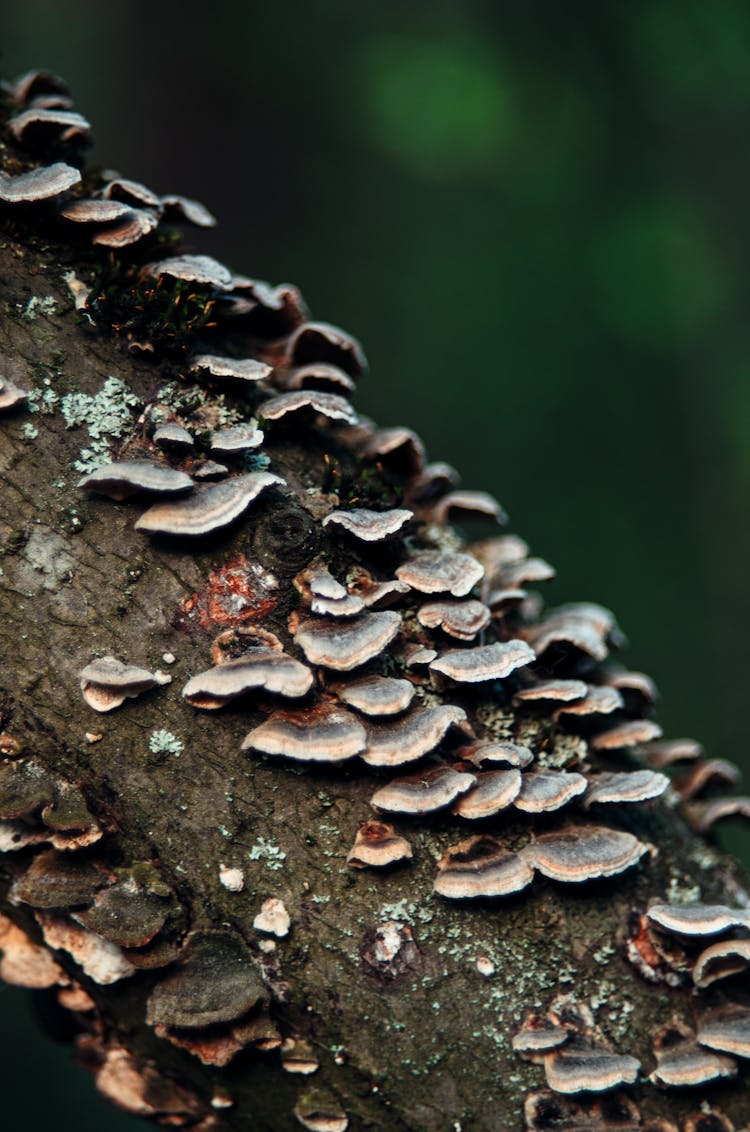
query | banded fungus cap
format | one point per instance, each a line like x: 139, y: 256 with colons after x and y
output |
x: 433, y: 481
x: 37, y: 82
x: 46, y: 183
x: 663, y: 753
x: 637, y: 683
x: 726, y: 1029
x: 704, y: 775
x: 400, y: 448
x: 618, y: 787
x: 322, y: 342
x: 629, y: 734
x: 370, y: 526
x: 130, y: 192
x: 481, y: 867
x: 493, y: 791
x: 321, y: 734
x: 249, y: 370
x: 698, y: 921
x: 106, y: 682
x: 184, y: 208
x: 376, y: 695
x: 344, y: 645
x: 438, y: 572
x: 538, y: 1034
x: 721, y: 960
x: 579, y: 1067
x: 201, y: 269
x: 554, y: 691
x: 325, y: 595
x: 57, y: 880
x: 209, y: 508
x: 258, y: 668
x: 173, y: 435
x: 599, y: 700
x: 682, y: 1063
x: 486, y: 662
x: 236, y: 439
x: 298, y: 1056
x: 529, y: 570
x: 329, y: 405
x: 319, y: 1111
x: 424, y: 793
x: 703, y: 816
x: 375, y: 595
x: 544, y: 791
x: 460, y: 619
x: 545, y: 1111
x: 497, y: 553
x: 494, y: 751
x: 320, y: 375
x: 408, y: 738
x: 377, y: 845
x: 131, y: 228
x: 582, y: 853
x: 123, y: 478
x: 94, y: 211
x: 217, y: 981
x: 38, y: 122
x: 466, y: 504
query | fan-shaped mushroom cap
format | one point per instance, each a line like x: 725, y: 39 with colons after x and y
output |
x: 726, y: 1029
x: 209, y: 507
x: 101, y: 960
x: 581, y: 853
x: 704, y: 775
x: 93, y: 211
x: 209, y: 470
x: 628, y: 734
x: 320, y: 375
x: 546, y: 790
x: 697, y: 921
x: 10, y: 395
x: 344, y: 645
x: 236, y: 438
x: 173, y: 435
x: 721, y: 960
x: 375, y: 595
x: 584, y: 625
x: 487, y: 662
x: 496, y: 553
x: 57, y: 880
x: 319, y: 1111
x: 665, y: 752
x: 369, y: 526
x: 273, y: 918
x: 133, y: 226
x: 130, y: 192
x: 682, y: 1062
x: 183, y: 208
x: 637, y: 682
x: 192, y: 269
x: 479, y: 867
x: 323, y: 733
x: 545, y: 1111
x: 556, y: 691
x: 328, y: 405
x: 106, y: 683
x: 461, y: 619
x: 616, y: 787
x: 124, y: 478
x: 493, y: 751
x: 269, y: 669
x: 39, y: 184
x: 538, y: 1035
x: 376, y: 695
x: 319, y: 341
x: 24, y: 963
x: 703, y: 816
x: 66, y: 124
x: 517, y: 574
x: 399, y: 447
x: 422, y: 793
x: 599, y: 700
x: 37, y: 82
x: 325, y: 595
x: 437, y: 572
x: 377, y: 844
x: 241, y: 369
x: 493, y: 790
x: 579, y: 1067
x: 217, y: 981
x: 471, y: 504
x: 408, y: 738
x: 433, y: 481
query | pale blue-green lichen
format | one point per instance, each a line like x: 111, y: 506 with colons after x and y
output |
x: 35, y: 307
x: 268, y: 851
x: 163, y: 742
x: 106, y: 415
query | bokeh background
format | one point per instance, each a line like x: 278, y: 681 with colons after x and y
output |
x: 535, y: 217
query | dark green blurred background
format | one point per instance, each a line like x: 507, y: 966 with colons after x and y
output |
x: 535, y: 217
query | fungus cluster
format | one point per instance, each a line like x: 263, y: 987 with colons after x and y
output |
x: 395, y: 645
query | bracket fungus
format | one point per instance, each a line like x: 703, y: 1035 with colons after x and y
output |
x: 312, y: 584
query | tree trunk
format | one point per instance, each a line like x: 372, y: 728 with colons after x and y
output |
x: 386, y: 1004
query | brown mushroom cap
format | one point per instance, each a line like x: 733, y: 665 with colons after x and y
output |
x: 376, y: 845
x: 487, y: 662
x: 579, y: 1067
x: 581, y: 853
x: 36, y: 121
x: 106, y: 682
x: 133, y: 226
x: 344, y: 645
x: 370, y: 526
x: 124, y: 478
x: 184, y: 208
x: 517, y: 574
x: 57, y: 880
x: 319, y: 1111
x: 726, y: 1029
x: 92, y: 211
x: 481, y: 867
x: 703, y: 775
x: 241, y: 369
x: 460, y: 619
x: 408, y: 738
x: 265, y: 668
x: 192, y: 269
x: 322, y: 342
x: 615, y: 787
x: 601, y: 700
x: 546, y: 790
x: 437, y: 572
x: 209, y: 508
x: 703, y: 816
x: 39, y: 184
x: 493, y: 790
x: 628, y: 734
x: 217, y: 981
x: 422, y: 793
x: 665, y: 752
x: 697, y: 921
x: 721, y: 960
x: 323, y: 733
x: 556, y: 691
x: 328, y: 405
x: 376, y: 695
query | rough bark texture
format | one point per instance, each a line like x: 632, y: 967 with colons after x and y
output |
x: 420, y: 1041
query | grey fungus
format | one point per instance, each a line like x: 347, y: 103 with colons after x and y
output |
x: 369, y: 526
x: 460, y: 619
x: 376, y: 695
x: 552, y: 691
x: 258, y: 669
x: 538, y: 1034
x: 663, y: 753
x: 106, y: 683
x: 123, y: 478
x: 493, y: 791
x: 580, y: 1067
x: 298, y: 1056
x: 721, y: 960
x: 37, y: 123
x: 619, y: 787
x: 544, y: 1111
x: 547, y: 790
x: 321, y: 342
x: 42, y: 184
x: 481, y: 867
x: 529, y: 570
x: 319, y: 375
x: 235, y: 440
x: 377, y: 845
x: 682, y: 1063
x: 486, y: 662
x: 457, y: 505
x: 36, y: 83
x: 344, y: 645
x: 374, y: 594
x: 440, y: 572
x: 205, y: 470
x: 582, y: 853
x: 705, y: 775
x: 325, y: 595
x: 248, y: 370
x: 601, y: 700
x: 133, y: 226
x: 94, y: 211
x: 321, y: 734
x: 304, y: 401
x: 726, y: 1029
x: 319, y: 1111
x: 57, y: 880
x: 408, y: 738
x: 182, y: 208
x: 495, y: 752
x: 698, y: 921
x: 628, y: 734
x: 173, y: 435
x: 208, y: 508
x: 131, y: 193
x: 703, y: 816
x: 201, y: 269
x: 397, y: 447
x: 423, y: 793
